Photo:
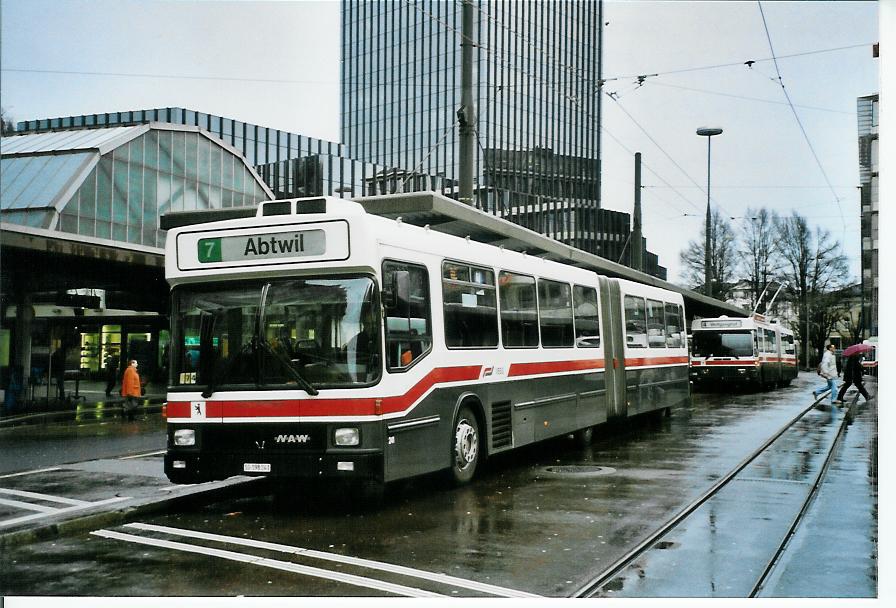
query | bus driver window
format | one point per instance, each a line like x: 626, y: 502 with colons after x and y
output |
x: 408, y: 322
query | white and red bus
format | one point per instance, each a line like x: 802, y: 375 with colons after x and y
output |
x: 747, y: 351
x: 315, y: 340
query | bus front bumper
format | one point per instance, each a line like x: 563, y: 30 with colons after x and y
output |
x: 183, y: 466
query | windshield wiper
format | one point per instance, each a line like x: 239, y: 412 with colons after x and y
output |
x: 285, y: 361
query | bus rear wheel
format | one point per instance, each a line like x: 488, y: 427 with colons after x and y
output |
x: 465, y: 446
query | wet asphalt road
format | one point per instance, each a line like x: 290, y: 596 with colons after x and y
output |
x: 539, y: 521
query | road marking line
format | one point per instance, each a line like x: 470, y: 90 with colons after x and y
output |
x: 156, y: 453
x: 18, y: 520
x: 358, y: 581
x: 46, y: 497
x: 28, y: 506
x: 334, y: 557
x: 30, y: 472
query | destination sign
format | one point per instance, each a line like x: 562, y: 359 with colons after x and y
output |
x: 248, y: 247
x: 262, y: 245
x: 719, y: 324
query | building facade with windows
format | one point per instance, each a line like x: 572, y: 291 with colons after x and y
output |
x: 537, y: 72
x: 868, y: 114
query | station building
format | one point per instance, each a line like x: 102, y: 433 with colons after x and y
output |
x: 83, y: 286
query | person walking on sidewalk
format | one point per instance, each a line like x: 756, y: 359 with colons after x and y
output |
x: 852, y: 374
x: 130, y: 390
x: 111, y: 374
x: 827, y: 369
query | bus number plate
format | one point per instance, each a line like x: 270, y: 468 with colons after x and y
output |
x: 256, y: 467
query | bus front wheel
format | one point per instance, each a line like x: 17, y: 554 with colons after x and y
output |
x: 465, y: 446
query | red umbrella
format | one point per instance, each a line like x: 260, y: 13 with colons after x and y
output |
x: 857, y: 348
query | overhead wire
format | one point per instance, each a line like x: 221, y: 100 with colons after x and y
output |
x: 641, y: 78
x: 746, y: 98
x: 649, y: 168
x: 574, y: 100
x: 167, y: 76
x: 666, y: 154
x: 798, y: 121
x: 735, y: 63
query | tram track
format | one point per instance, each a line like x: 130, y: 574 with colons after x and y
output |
x: 594, y: 586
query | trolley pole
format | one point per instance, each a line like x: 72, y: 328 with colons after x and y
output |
x: 466, y: 114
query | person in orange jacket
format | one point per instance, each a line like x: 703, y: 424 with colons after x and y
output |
x: 130, y: 390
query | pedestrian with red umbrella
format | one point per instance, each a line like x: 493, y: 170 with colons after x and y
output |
x: 852, y: 370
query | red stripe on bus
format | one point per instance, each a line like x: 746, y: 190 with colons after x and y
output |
x: 328, y: 407
x: 642, y: 361
x: 553, y: 367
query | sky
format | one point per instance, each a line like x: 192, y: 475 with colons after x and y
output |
x: 277, y: 64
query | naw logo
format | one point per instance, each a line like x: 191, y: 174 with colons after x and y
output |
x: 292, y: 438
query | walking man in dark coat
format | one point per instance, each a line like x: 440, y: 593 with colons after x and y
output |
x: 853, y: 375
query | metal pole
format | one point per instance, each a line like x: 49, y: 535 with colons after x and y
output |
x: 466, y: 114
x: 708, y: 245
x: 637, y: 249
x: 807, y: 331
x: 708, y: 132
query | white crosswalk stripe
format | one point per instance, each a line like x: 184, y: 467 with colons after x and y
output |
x: 334, y: 557
x: 349, y: 579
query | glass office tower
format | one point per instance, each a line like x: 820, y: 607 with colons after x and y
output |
x: 537, y: 70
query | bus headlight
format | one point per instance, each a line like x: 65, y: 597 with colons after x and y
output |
x: 184, y: 437
x: 347, y: 436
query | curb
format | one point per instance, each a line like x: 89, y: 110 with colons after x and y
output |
x: 76, y: 525
x: 43, y: 417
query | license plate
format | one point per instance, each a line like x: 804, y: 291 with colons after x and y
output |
x: 256, y: 467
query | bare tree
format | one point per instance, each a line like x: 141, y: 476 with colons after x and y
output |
x: 722, y: 256
x: 759, y: 251
x: 851, y: 326
x: 812, y: 265
x: 7, y: 126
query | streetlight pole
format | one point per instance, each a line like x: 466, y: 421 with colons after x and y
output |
x: 708, y: 132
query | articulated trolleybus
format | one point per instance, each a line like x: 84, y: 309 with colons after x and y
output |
x: 317, y: 341
x: 751, y: 351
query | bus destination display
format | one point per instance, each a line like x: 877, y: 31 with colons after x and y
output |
x: 262, y: 246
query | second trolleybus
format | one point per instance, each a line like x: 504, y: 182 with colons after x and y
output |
x: 317, y: 341
x: 751, y: 351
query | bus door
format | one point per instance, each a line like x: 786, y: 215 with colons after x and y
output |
x: 779, y: 354
x: 614, y: 347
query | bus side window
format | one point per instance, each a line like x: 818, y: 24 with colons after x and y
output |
x: 674, y: 326
x: 408, y: 324
x: 470, y: 306
x: 519, y: 312
x: 635, y: 322
x: 587, y: 325
x: 555, y: 313
x: 656, y: 324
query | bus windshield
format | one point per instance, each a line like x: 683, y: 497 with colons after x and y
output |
x: 291, y: 333
x: 723, y: 344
